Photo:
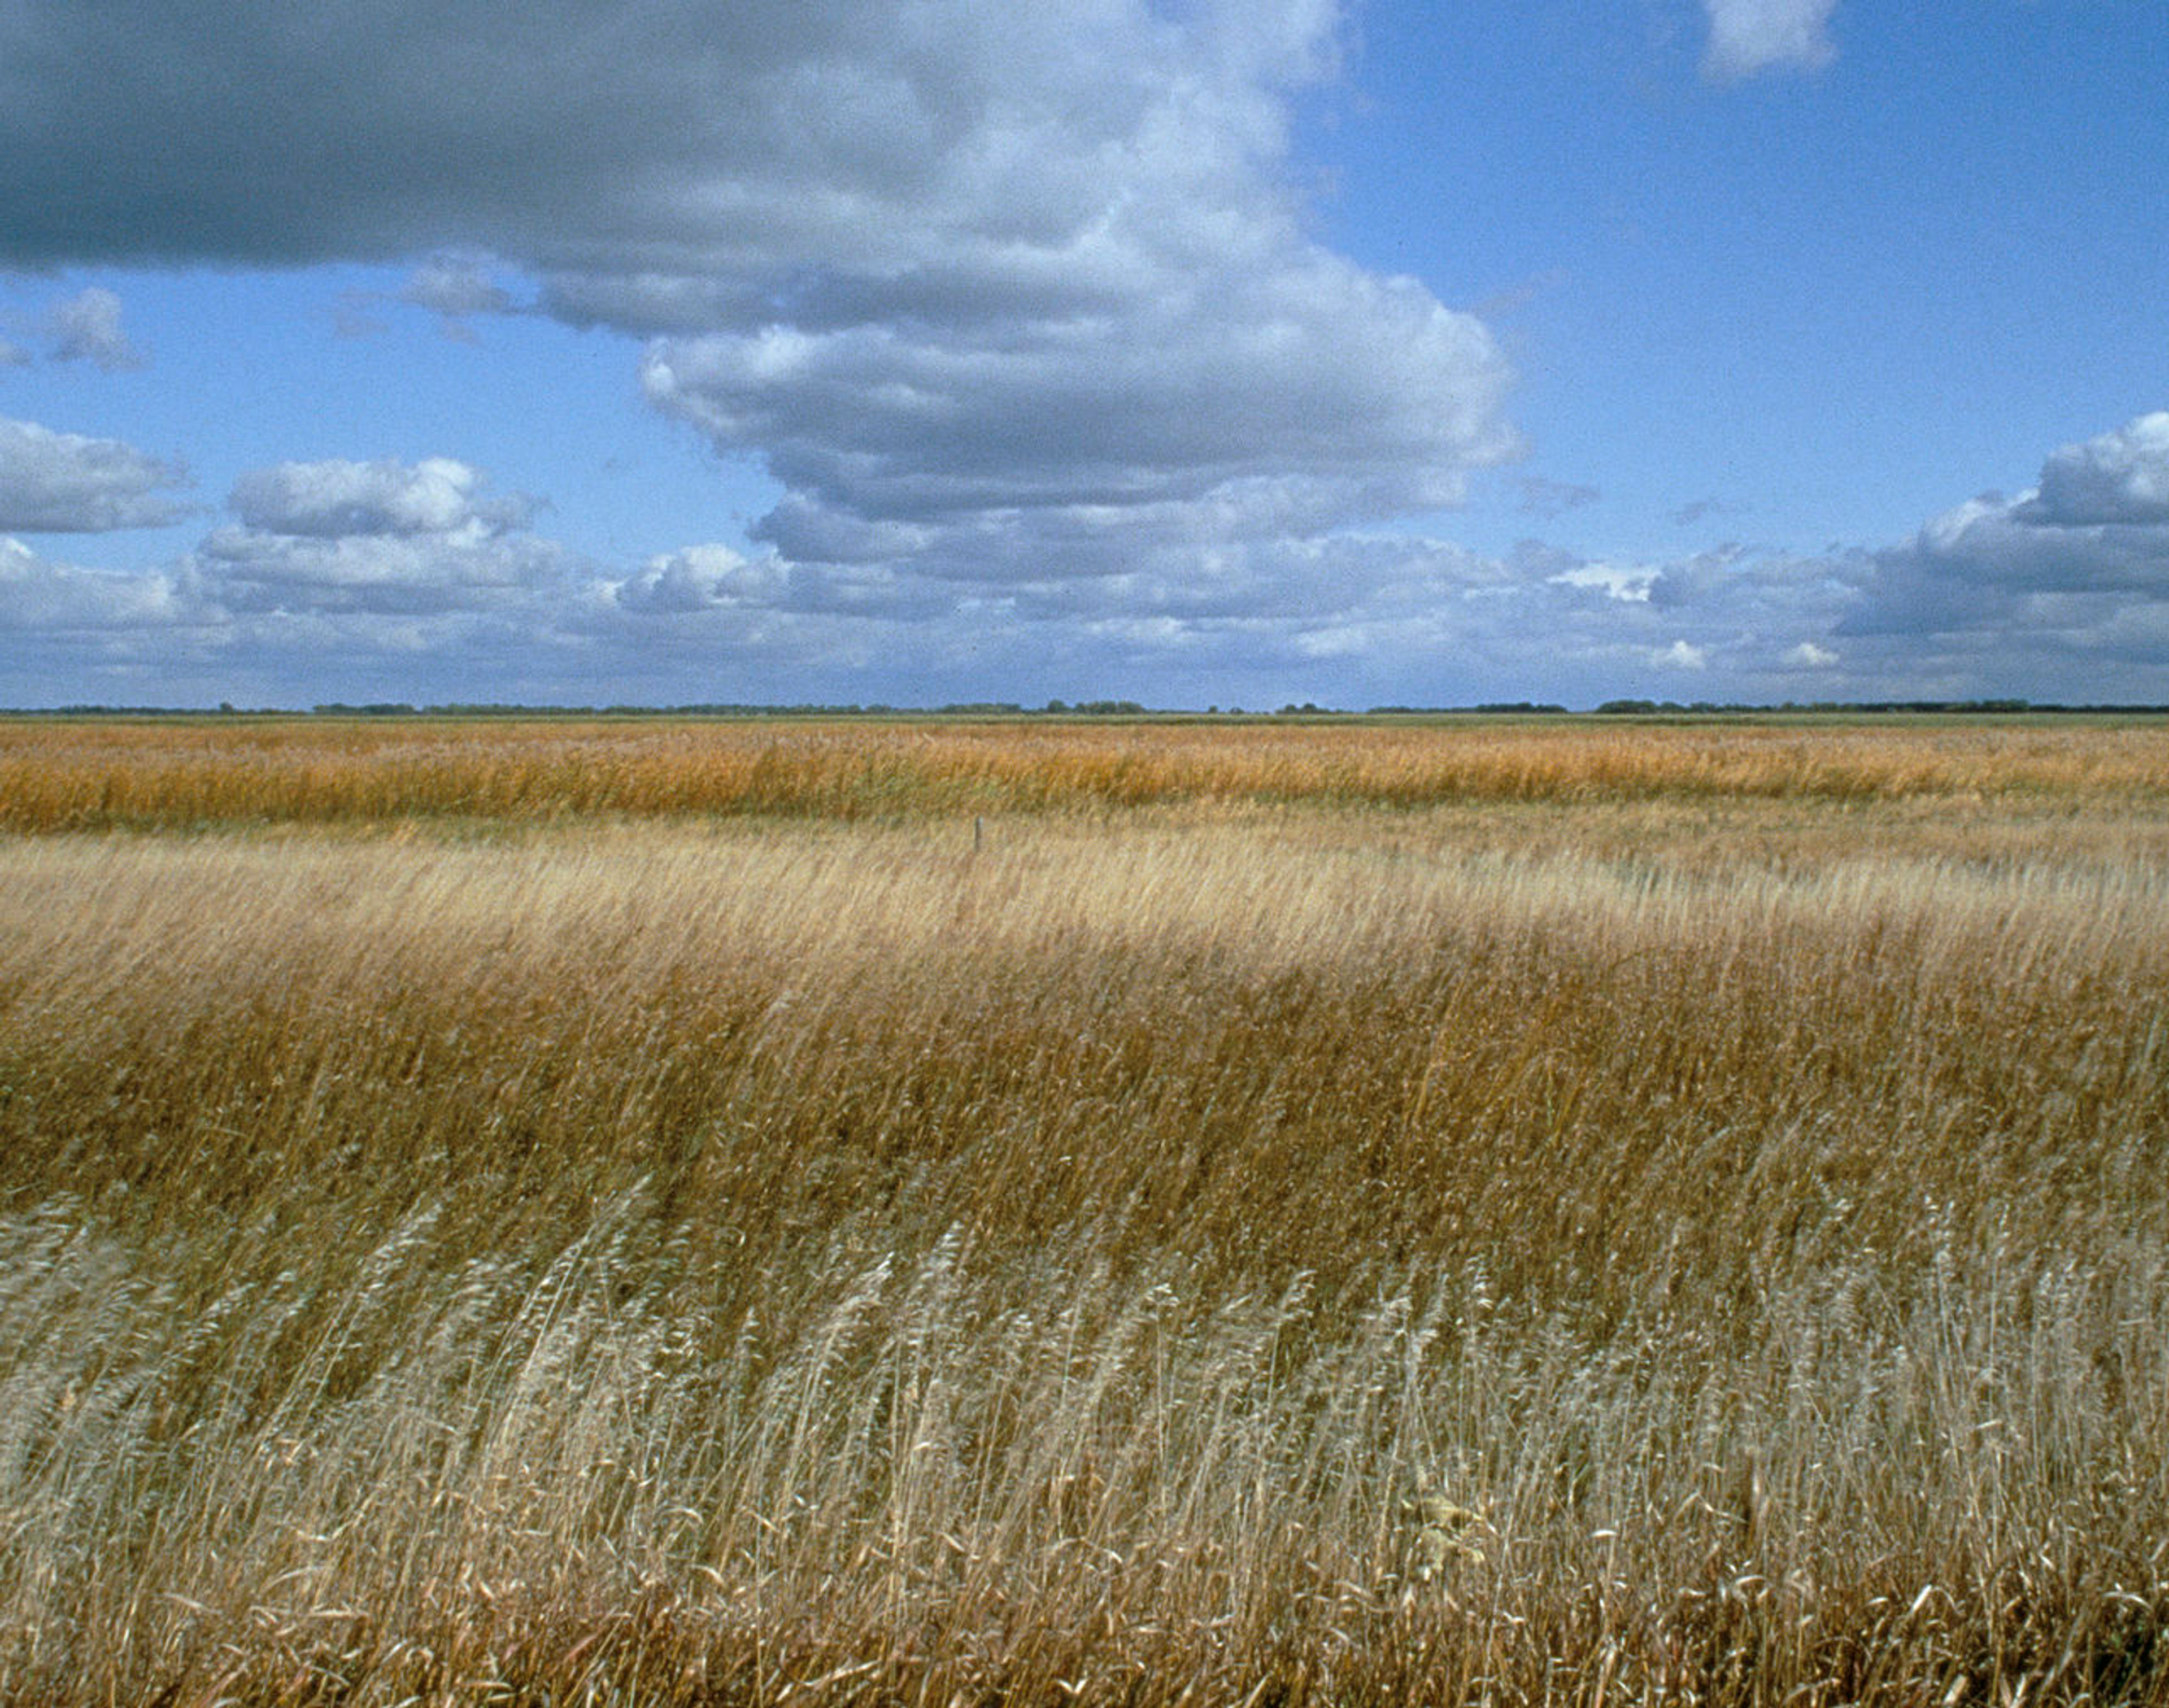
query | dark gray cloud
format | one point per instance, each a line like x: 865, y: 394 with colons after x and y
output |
x: 755, y: 139
x: 973, y: 280
x: 64, y: 483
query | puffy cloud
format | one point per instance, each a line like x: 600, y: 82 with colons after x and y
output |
x: 2119, y: 477
x: 327, y: 500
x: 38, y: 596
x: 1807, y: 656
x: 1747, y: 36
x: 86, y: 328
x: 2074, y: 557
x: 1341, y: 396
x: 384, y: 536
x: 975, y: 281
x: 701, y: 578
x: 64, y: 483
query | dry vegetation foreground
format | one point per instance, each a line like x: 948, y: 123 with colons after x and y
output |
x: 1685, y: 1219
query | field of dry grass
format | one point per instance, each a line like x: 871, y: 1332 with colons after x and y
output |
x: 86, y: 774
x: 1563, y: 1214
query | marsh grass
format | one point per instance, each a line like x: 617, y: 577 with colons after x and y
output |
x: 1509, y: 1252
x: 95, y: 773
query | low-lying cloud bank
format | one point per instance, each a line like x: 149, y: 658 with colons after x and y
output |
x: 343, y: 580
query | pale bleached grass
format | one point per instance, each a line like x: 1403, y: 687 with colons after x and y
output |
x: 679, y: 1263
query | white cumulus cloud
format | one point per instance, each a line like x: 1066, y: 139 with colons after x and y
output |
x: 40, y: 596
x: 66, y: 483
x: 336, y: 497
x: 2119, y: 477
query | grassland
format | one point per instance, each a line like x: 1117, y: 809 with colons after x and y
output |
x: 86, y: 774
x: 679, y: 1214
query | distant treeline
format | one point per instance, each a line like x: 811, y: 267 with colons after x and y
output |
x: 1095, y: 708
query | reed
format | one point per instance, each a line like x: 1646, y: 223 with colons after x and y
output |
x: 1516, y: 1250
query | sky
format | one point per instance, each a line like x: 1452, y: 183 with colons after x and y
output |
x: 1195, y: 351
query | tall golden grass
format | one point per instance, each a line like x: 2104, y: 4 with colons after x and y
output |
x: 1295, y: 1253
x: 100, y: 774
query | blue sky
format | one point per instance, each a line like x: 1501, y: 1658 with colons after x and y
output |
x: 1208, y: 352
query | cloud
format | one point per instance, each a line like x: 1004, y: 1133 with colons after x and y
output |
x: 1311, y: 396
x: 38, y: 596
x: 2072, y: 559
x: 384, y: 536
x: 1626, y: 581
x: 976, y: 282
x: 64, y: 483
x: 456, y: 290
x: 1747, y: 36
x: 701, y: 578
x: 326, y: 500
x: 384, y: 574
x: 12, y: 355
x: 2119, y: 477
x: 1697, y: 509
x: 86, y: 328
x: 1550, y: 499
x: 416, y: 581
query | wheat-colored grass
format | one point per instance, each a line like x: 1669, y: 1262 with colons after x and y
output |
x: 1699, y: 1248
x: 94, y: 773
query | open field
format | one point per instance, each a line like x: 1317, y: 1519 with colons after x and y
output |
x: 1565, y: 1214
x: 85, y: 774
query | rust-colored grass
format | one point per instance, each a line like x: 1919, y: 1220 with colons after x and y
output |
x: 1689, y: 1246
x: 100, y: 774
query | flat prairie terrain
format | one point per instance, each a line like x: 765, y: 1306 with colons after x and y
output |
x: 1571, y: 1212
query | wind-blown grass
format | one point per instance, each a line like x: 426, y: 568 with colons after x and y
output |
x: 1288, y: 1255
x: 89, y: 774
